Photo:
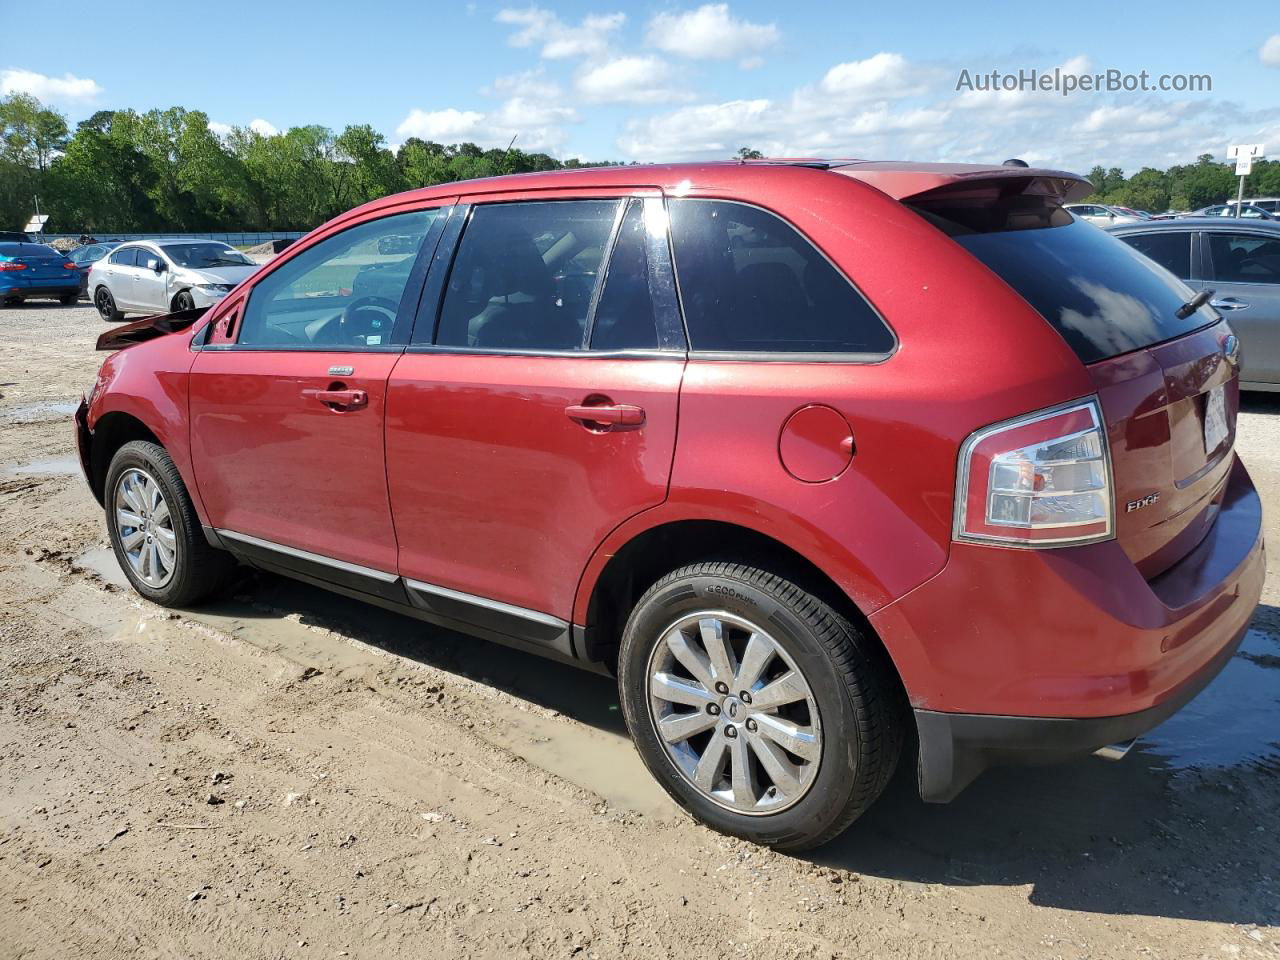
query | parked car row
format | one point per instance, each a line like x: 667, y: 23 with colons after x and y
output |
x: 159, y: 276
x: 954, y: 481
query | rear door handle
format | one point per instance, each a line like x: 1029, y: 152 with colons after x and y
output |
x: 614, y: 414
x: 345, y: 399
x: 1229, y: 303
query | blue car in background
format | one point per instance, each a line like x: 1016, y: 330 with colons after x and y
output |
x: 85, y: 257
x: 34, y: 271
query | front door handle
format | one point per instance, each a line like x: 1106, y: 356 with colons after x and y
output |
x: 340, y: 399
x: 1229, y: 303
x: 613, y: 414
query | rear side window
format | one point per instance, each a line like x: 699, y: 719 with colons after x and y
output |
x: 525, y: 274
x: 750, y: 283
x: 1172, y: 250
x: 126, y: 257
x: 1100, y: 294
x: 1244, y: 257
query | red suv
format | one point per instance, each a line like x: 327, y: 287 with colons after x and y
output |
x: 824, y: 459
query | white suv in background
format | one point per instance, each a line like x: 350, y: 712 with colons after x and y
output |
x: 1101, y: 214
x: 162, y: 276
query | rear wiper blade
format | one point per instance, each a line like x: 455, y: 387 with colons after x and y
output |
x: 1194, y: 304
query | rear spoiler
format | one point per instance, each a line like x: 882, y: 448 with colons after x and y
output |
x: 148, y: 328
x: 927, y: 181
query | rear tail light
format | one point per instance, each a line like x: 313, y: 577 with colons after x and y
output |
x: 8, y: 267
x: 1039, y: 480
x: 68, y: 265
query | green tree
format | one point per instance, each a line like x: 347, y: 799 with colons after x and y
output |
x: 749, y: 153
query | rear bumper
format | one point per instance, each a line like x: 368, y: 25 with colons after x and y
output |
x: 956, y: 747
x: 41, y: 290
x: 1016, y: 655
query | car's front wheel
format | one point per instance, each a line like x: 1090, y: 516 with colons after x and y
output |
x: 762, y: 710
x: 154, y: 529
x: 106, y: 305
x: 183, y: 301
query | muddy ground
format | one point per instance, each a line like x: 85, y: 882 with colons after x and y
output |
x: 289, y: 774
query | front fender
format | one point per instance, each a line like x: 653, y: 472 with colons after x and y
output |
x: 149, y: 383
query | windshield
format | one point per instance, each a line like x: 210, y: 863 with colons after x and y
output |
x: 1104, y: 297
x: 202, y: 256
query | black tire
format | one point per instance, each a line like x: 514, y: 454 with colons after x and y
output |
x: 183, y: 301
x: 106, y: 305
x: 862, y: 718
x: 69, y: 301
x: 200, y: 570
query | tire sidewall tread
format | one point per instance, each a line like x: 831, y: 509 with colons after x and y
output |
x: 861, y: 729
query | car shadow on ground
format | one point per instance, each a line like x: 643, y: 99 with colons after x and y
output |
x: 1256, y: 401
x: 1183, y: 827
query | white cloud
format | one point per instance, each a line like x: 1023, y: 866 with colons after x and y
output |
x: 556, y: 39
x: 535, y: 125
x: 629, y: 80
x: 888, y: 107
x: 222, y: 130
x: 441, y: 125
x: 1269, y: 52
x: 48, y: 89
x: 884, y: 76
x: 711, y: 33
x: 262, y: 127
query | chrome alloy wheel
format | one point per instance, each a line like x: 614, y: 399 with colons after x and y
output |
x: 734, y: 713
x: 145, y: 528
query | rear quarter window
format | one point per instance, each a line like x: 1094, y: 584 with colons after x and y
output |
x: 1100, y: 294
x: 750, y: 283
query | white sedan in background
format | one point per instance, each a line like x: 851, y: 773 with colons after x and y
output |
x: 1102, y: 215
x: 163, y: 276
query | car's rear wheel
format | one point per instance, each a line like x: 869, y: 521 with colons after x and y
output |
x: 762, y: 710
x: 106, y: 305
x: 154, y: 529
x: 183, y: 301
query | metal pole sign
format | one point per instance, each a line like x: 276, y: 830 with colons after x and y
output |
x: 1244, y: 154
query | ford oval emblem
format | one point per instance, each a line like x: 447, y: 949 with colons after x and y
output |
x: 1230, y: 346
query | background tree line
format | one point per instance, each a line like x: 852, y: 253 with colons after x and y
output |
x: 165, y: 170
x: 1184, y: 187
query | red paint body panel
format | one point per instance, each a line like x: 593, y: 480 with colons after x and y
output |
x: 149, y: 383
x: 273, y: 462
x: 1076, y: 632
x: 496, y: 491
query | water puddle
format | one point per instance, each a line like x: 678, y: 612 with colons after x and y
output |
x: 602, y: 762
x: 102, y: 561
x: 48, y: 410
x: 49, y: 467
x: 1235, y: 722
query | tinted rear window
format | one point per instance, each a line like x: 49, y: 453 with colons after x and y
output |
x: 1098, y: 292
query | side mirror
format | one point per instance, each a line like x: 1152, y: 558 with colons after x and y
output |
x: 157, y: 265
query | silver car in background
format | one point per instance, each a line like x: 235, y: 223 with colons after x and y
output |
x: 1102, y: 215
x: 1239, y: 260
x: 163, y: 276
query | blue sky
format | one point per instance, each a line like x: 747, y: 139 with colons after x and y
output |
x: 659, y: 81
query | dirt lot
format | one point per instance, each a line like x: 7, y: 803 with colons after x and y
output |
x: 289, y: 774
